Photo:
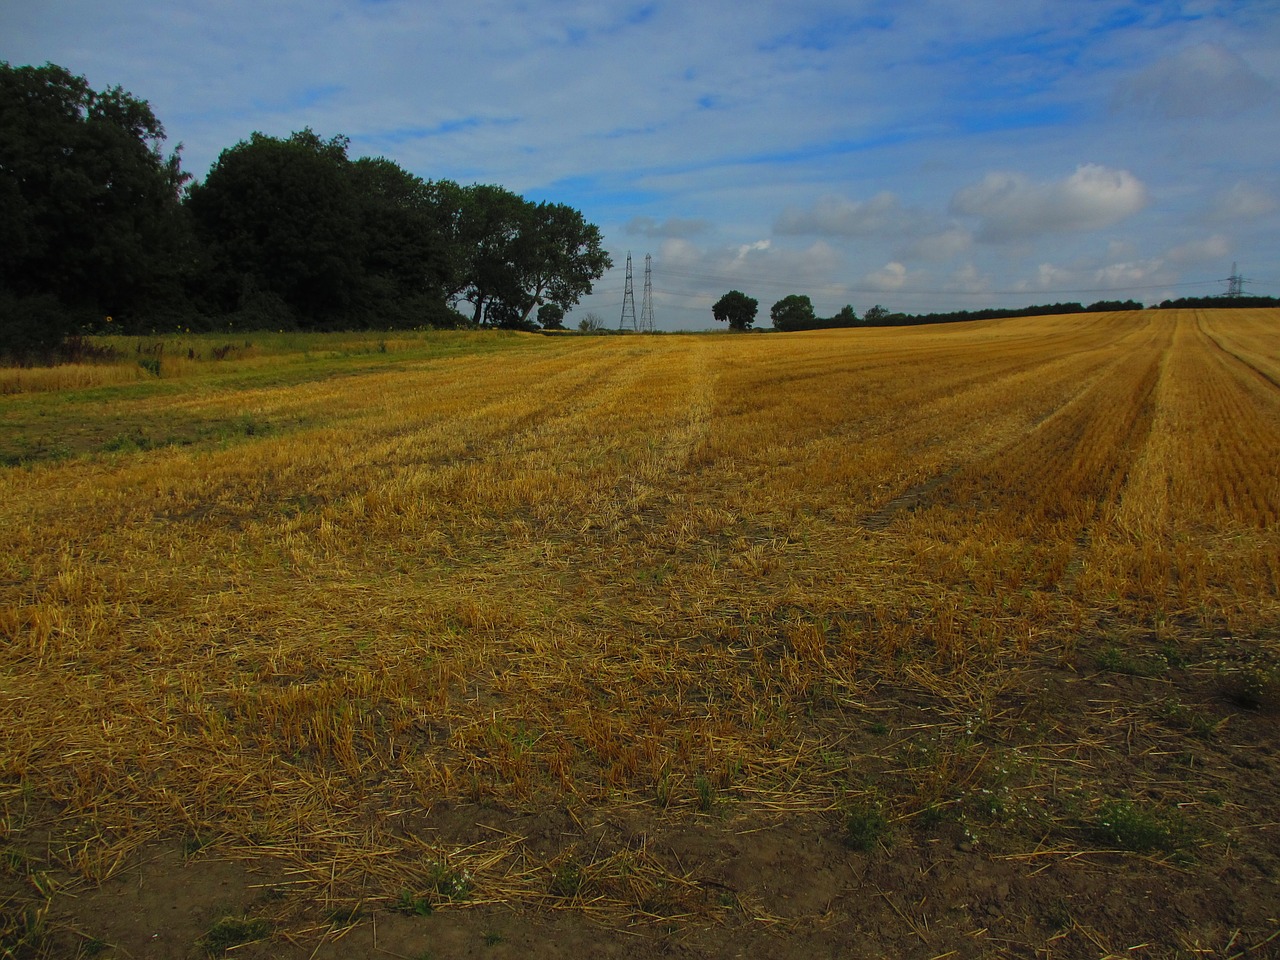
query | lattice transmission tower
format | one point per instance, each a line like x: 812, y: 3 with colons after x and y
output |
x: 1235, y: 282
x: 628, y: 301
x: 646, y: 305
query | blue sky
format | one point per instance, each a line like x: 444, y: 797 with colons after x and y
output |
x: 920, y: 154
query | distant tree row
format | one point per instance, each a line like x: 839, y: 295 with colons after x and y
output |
x: 795, y: 312
x: 105, y: 230
x: 1218, y: 303
x: 883, y: 318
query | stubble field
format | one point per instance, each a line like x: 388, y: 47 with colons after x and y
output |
x: 954, y: 641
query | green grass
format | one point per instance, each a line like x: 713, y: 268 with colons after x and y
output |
x: 412, y: 905
x: 567, y: 880
x: 1139, y: 828
x: 232, y: 932
x: 57, y: 425
x: 864, y: 826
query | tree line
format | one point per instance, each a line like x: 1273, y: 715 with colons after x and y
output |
x: 795, y: 312
x: 105, y: 231
x: 1218, y: 302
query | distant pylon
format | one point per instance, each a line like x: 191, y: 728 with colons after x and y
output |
x: 628, y: 301
x: 646, y: 305
x: 1235, y: 283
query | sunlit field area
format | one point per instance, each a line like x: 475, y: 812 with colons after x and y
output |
x: 896, y: 641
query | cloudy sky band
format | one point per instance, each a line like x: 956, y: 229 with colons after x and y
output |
x: 921, y: 153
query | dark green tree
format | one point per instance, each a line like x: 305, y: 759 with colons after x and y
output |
x: 405, y: 247
x: 89, y: 201
x: 283, y: 226
x: 551, y: 316
x: 514, y: 256
x: 485, y: 226
x: 794, y: 312
x: 737, y: 309
x: 557, y: 256
x: 875, y: 315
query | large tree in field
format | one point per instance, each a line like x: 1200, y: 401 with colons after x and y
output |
x: 89, y: 200
x: 736, y: 309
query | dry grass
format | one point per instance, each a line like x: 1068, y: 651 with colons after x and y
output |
x: 612, y: 572
x: 67, y: 376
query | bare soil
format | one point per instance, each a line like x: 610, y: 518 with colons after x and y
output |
x: 1024, y: 853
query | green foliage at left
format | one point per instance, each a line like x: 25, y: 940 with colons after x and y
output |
x: 90, y: 204
x: 283, y: 233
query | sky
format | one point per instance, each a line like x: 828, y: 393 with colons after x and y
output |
x: 924, y: 155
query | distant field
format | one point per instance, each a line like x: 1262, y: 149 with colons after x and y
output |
x: 906, y: 640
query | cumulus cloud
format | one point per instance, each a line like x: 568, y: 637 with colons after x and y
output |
x: 1243, y: 201
x: 1123, y: 277
x: 1211, y: 248
x: 1204, y: 80
x: 1011, y: 206
x: 943, y: 245
x: 970, y: 280
x: 671, y: 227
x: 1132, y: 273
x: 892, y: 276
x: 841, y: 217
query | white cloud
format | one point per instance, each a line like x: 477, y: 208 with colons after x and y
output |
x: 1243, y: 201
x: 842, y: 217
x: 670, y: 227
x: 1131, y: 274
x: 892, y: 276
x: 1207, y: 250
x: 1049, y: 277
x: 1201, y: 81
x: 1011, y: 206
x: 941, y: 246
x: 970, y: 280
x: 749, y: 248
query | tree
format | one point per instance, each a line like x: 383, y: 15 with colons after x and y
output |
x: 846, y: 317
x: 403, y: 243
x: 737, y: 309
x: 282, y: 222
x: 591, y: 323
x: 516, y: 256
x: 794, y: 312
x: 484, y: 223
x: 558, y: 256
x: 875, y: 315
x: 551, y: 316
x: 88, y: 199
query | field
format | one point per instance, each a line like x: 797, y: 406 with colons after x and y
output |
x: 955, y: 641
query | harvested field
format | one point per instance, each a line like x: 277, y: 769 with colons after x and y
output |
x: 955, y: 641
